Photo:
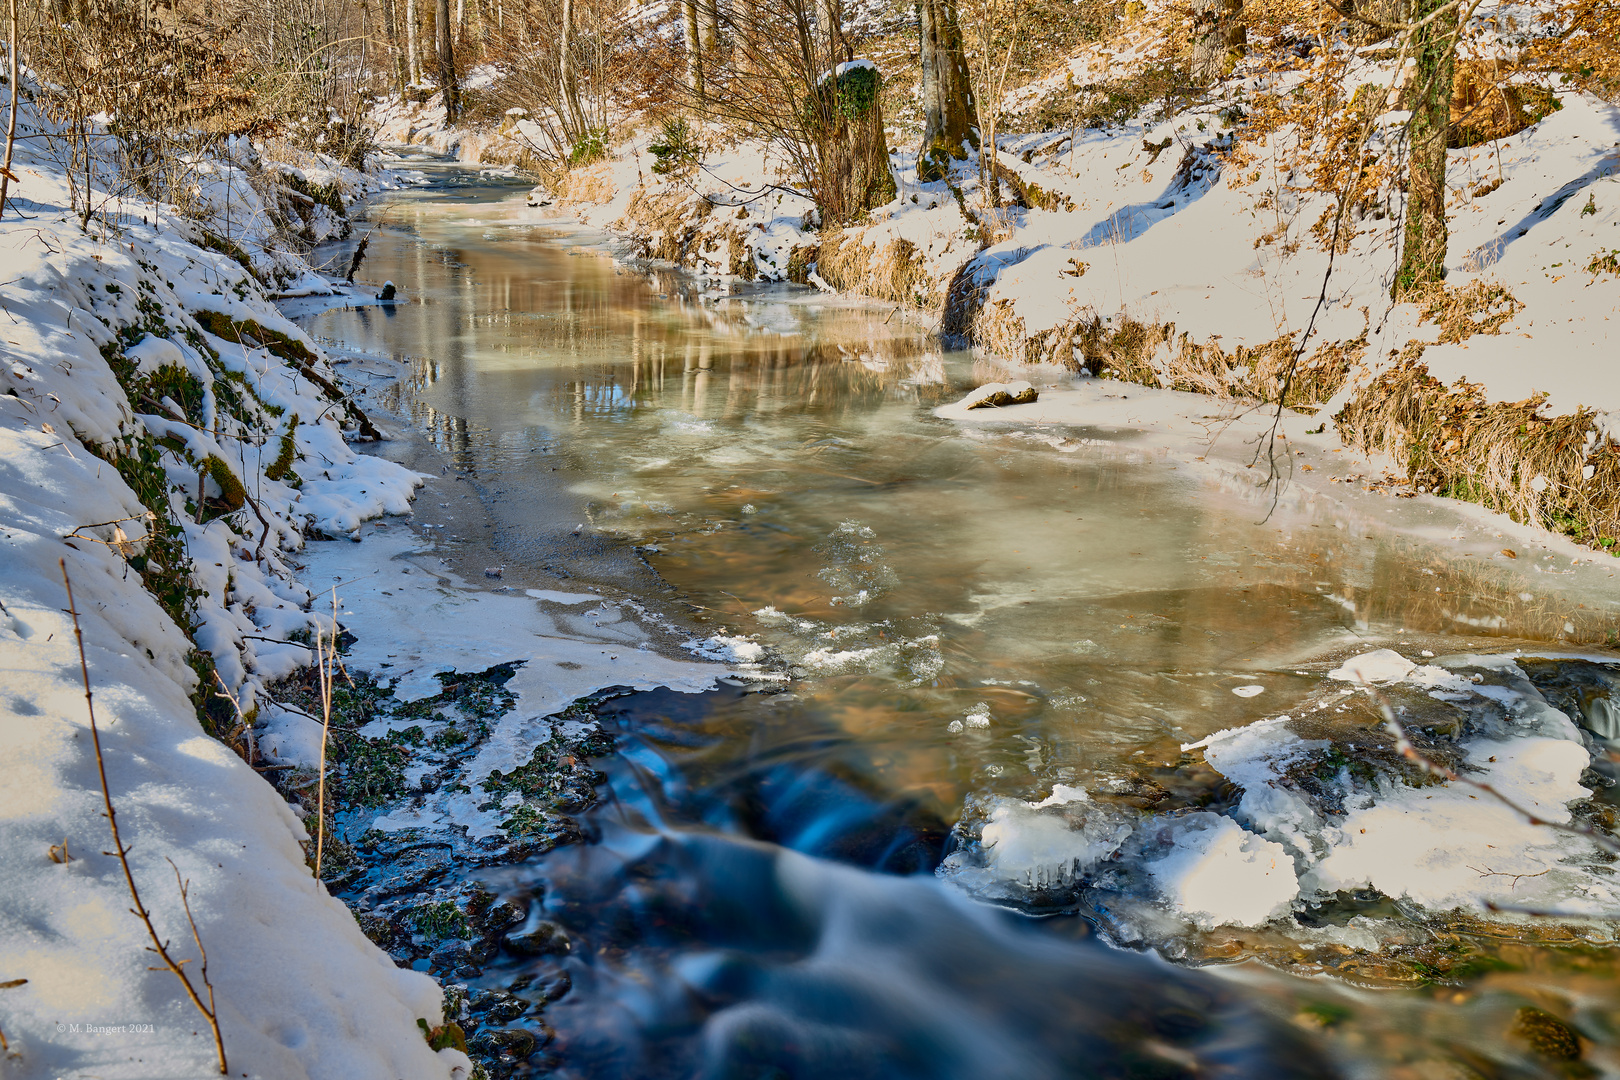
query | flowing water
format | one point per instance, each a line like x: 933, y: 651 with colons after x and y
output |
x: 956, y: 620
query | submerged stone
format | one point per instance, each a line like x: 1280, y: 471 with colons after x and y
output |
x: 1546, y: 1034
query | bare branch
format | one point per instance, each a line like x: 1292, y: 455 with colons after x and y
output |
x: 158, y: 945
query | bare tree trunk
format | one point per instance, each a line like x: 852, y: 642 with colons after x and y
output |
x: 568, y: 81
x: 746, y: 24
x: 950, y: 119
x: 694, y: 49
x: 1219, y: 38
x: 709, y: 30
x: 1423, y: 250
x: 445, y: 35
x: 413, y: 55
x: 827, y: 32
x: 402, y: 73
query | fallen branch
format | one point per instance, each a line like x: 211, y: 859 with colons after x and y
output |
x: 1404, y: 747
x: 158, y: 945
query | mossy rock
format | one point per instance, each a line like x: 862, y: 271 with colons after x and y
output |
x: 232, y: 495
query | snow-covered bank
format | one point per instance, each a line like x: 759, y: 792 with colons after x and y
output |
x: 166, y: 432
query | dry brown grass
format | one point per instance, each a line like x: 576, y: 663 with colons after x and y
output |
x: 896, y: 272
x: 1480, y: 307
x: 591, y: 184
x: 665, y: 224
x: 1503, y: 455
x: 996, y: 328
x: 1151, y: 354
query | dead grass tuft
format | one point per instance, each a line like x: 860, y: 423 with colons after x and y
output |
x: 1130, y: 350
x: 1605, y: 262
x: 592, y: 184
x: 897, y: 272
x: 997, y: 328
x: 1122, y: 349
x: 1480, y: 307
x: 665, y: 223
x: 1557, y: 472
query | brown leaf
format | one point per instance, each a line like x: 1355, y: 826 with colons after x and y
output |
x: 1510, y: 553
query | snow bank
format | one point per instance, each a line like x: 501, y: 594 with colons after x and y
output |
x: 300, y: 991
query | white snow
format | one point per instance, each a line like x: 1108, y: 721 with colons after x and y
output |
x: 1377, y: 666
x: 1448, y: 846
x: 1219, y: 874
x: 300, y: 991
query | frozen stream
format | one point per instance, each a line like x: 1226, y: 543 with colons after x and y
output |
x: 952, y: 625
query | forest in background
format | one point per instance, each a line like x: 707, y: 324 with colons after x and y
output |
x: 152, y: 88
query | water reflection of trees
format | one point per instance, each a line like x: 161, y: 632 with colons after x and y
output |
x: 712, y: 363
x: 625, y: 338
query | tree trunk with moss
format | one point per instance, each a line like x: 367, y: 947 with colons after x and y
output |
x: 847, y: 128
x: 1423, y: 247
x: 950, y: 118
x: 1219, y: 39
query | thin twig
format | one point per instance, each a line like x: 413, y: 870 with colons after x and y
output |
x: 185, y: 902
x: 244, y: 728
x: 158, y: 945
x: 1269, y: 441
x: 323, y: 665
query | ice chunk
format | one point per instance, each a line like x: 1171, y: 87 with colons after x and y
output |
x: 1220, y: 874
x: 1378, y: 666
x: 1447, y: 846
x: 1027, y: 845
x: 1254, y: 757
